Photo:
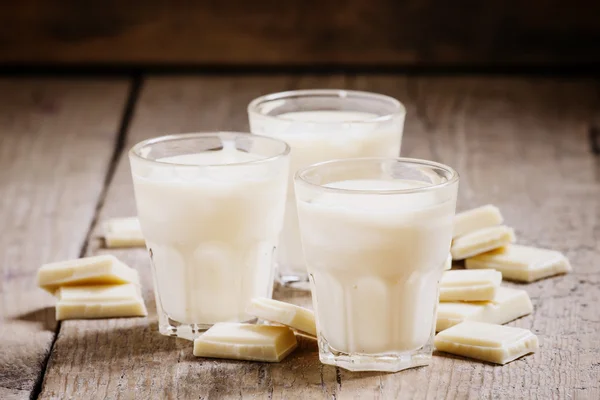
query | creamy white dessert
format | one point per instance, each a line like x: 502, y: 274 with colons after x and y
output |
x: 475, y: 219
x: 508, y: 304
x: 316, y: 136
x: 481, y: 240
x: 246, y: 342
x: 375, y: 263
x: 522, y: 263
x: 211, y: 232
x: 99, y: 301
x: 487, y: 342
x: 469, y: 285
x: 95, y: 270
x: 123, y: 232
x: 298, y: 318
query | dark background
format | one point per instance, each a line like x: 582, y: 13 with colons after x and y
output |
x: 476, y: 34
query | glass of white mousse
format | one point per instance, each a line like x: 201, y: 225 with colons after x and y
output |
x: 211, y: 209
x: 376, y: 233
x: 321, y: 125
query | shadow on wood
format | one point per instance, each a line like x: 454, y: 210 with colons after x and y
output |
x: 46, y: 317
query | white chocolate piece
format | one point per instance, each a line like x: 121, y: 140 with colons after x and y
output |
x: 448, y: 263
x: 97, y: 270
x: 476, y: 219
x: 251, y: 342
x: 469, y: 285
x: 453, y: 313
x: 488, y: 342
x: 508, y: 304
x: 123, y: 232
x: 98, y: 293
x: 522, y: 263
x: 102, y: 301
x: 480, y: 241
x: 298, y: 318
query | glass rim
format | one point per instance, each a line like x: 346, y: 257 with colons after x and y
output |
x: 300, y: 175
x: 134, y: 151
x: 400, y: 109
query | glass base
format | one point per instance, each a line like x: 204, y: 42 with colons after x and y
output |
x: 181, y: 330
x: 390, y: 362
x: 293, y: 280
x: 170, y: 327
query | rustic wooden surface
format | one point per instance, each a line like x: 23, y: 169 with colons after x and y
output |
x: 300, y: 32
x: 521, y: 144
x: 56, y: 142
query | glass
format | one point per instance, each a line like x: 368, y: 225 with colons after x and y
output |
x: 376, y: 235
x: 211, y: 210
x: 321, y: 125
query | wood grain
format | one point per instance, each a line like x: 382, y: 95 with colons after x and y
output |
x: 300, y: 32
x: 56, y: 141
x: 520, y: 144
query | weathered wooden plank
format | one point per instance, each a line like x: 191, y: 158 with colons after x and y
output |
x: 56, y: 143
x: 300, y: 32
x: 520, y: 144
x: 156, y: 365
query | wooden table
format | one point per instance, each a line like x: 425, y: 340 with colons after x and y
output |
x: 525, y: 144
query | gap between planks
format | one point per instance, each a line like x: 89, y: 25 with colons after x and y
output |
x: 132, y: 97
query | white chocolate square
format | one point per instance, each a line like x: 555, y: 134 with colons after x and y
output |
x: 480, y: 241
x: 522, y: 263
x: 453, y: 313
x: 102, y: 301
x: 98, y: 293
x: 488, y: 342
x: 476, y: 219
x: 251, y: 342
x: 508, y: 304
x: 297, y: 318
x: 448, y: 263
x: 97, y: 270
x: 469, y: 285
x: 123, y: 232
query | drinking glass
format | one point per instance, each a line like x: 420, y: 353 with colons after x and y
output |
x: 376, y: 234
x: 211, y: 210
x: 321, y: 125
